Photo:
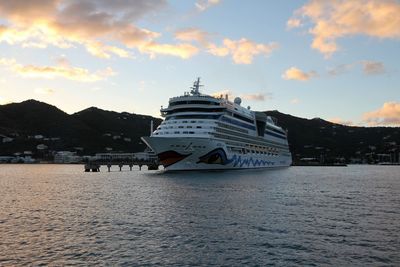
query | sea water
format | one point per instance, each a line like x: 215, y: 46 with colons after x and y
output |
x: 60, y: 215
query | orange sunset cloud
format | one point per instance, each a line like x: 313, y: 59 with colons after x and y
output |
x: 336, y: 19
x: 294, y: 73
x: 388, y: 114
x: 51, y: 72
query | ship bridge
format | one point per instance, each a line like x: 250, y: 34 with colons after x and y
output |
x: 193, y: 101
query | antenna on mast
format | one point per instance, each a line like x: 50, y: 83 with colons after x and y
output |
x: 196, y: 86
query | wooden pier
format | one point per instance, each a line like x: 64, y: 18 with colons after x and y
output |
x: 122, y: 159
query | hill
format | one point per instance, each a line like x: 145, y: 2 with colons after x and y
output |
x: 32, y: 123
x: 41, y: 128
x: 317, y: 137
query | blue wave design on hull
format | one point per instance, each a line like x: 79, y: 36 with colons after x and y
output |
x: 238, y: 161
x: 218, y: 156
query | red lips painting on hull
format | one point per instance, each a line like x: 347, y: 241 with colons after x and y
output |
x: 170, y: 157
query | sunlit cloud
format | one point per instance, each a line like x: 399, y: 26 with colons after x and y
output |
x: 387, y: 115
x: 44, y: 91
x: 51, y: 72
x: 92, y: 24
x: 249, y: 96
x: 336, y: 19
x: 294, y: 73
x: 373, y: 67
x: 242, y: 51
x: 183, y: 51
x: 340, y: 121
x: 202, y: 5
x: 109, y: 29
x: 293, y: 23
x: 223, y: 94
x: 193, y: 34
x: 100, y: 50
x: 256, y: 96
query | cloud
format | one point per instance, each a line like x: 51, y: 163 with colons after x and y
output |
x: 62, y: 60
x: 202, y: 5
x: 242, y: 51
x: 293, y: 23
x: 256, y: 96
x: 373, y: 67
x: 340, y: 69
x: 94, y: 24
x: 192, y: 34
x: 183, y: 51
x: 249, y: 96
x: 223, y: 93
x: 340, y: 121
x: 44, y: 91
x: 336, y: 19
x: 109, y: 29
x: 368, y: 68
x: 294, y: 73
x: 101, y: 50
x: 51, y: 72
x: 387, y: 115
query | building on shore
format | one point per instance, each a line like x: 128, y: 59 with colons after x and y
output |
x: 67, y: 157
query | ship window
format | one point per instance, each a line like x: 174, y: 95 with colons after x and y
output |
x: 191, y: 132
x: 176, y: 117
x: 180, y: 126
x: 199, y: 127
x: 185, y: 132
x: 177, y: 132
x: 184, y: 121
x: 243, y: 118
x: 193, y: 121
x: 188, y: 126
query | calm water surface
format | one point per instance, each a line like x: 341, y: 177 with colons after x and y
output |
x: 59, y: 215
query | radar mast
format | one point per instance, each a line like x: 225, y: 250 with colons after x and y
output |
x: 196, y: 86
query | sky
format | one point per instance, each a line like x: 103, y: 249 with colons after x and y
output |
x: 336, y: 60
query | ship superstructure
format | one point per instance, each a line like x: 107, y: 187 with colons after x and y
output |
x: 203, y: 132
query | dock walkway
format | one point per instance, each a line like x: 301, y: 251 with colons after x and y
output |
x: 122, y: 159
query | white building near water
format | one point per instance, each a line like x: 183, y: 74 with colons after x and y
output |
x: 66, y: 157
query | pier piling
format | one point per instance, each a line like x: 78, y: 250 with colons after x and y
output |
x: 121, y: 159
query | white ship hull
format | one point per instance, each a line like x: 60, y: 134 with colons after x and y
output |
x: 196, y: 153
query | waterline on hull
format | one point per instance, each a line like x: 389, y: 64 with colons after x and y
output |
x: 208, y: 154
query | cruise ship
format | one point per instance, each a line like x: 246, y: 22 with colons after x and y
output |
x: 203, y: 132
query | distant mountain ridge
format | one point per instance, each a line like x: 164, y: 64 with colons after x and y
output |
x: 32, y: 123
x: 90, y: 130
x: 317, y: 137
